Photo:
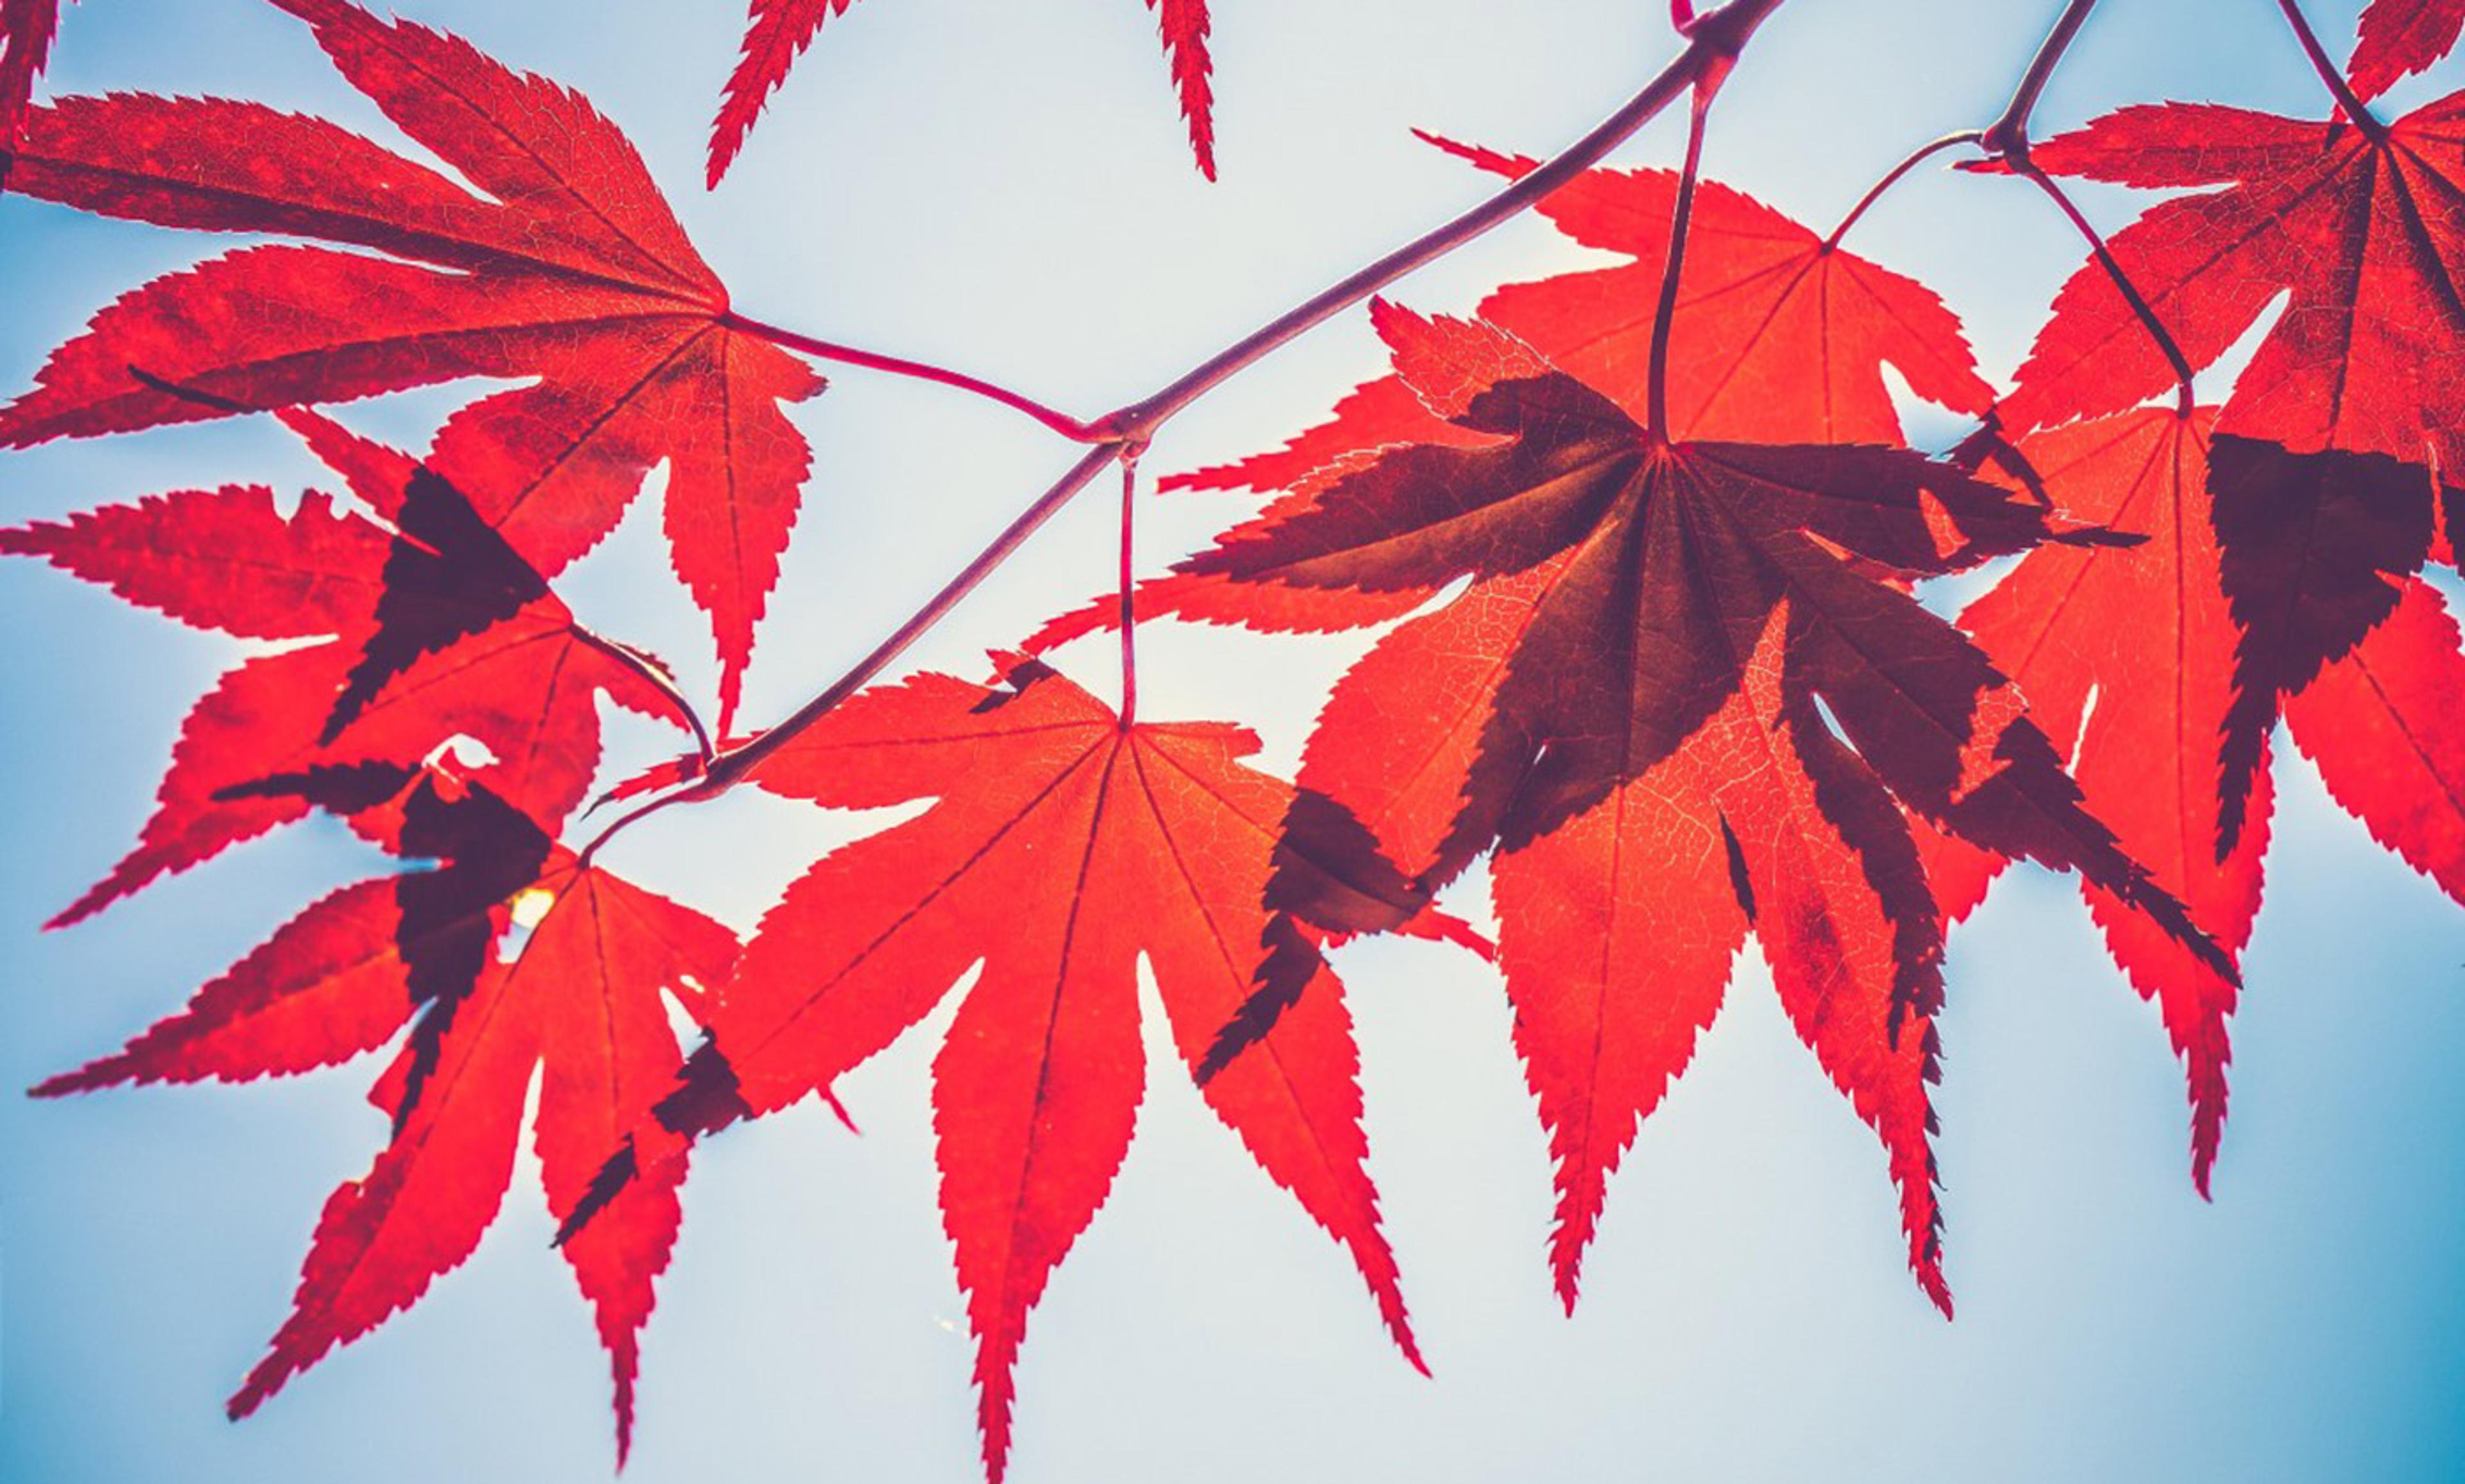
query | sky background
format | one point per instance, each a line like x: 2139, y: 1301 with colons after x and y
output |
x: 1006, y: 187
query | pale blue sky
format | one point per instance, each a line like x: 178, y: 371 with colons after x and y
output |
x: 1006, y: 187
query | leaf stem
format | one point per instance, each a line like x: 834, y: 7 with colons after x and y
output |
x: 1874, y: 193
x: 1714, y: 41
x: 2007, y: 139
x: 1129, y: 609
x: 581, y: 862
x: 1656, y: 381
x: 657, y: 677
x: 2347, y: 100
x: 2027, y: 169
x: 1059, y: 422
x: 731, y: 765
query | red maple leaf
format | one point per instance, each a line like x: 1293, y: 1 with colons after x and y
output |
x: 2128, y: 657
x: 1805, y: 328
x: 571, y: 269
x: 2400, y: 37
x: 394, y: 670
x: 1678, y: 702
x: 27, y: 27
x: 414, y: 956
x: 777, y: 33
x: 2327, y: 462
x: 2357, y: 225
x: 2137, y: 659
x: 2385, y: 724
x: 1062, y: 846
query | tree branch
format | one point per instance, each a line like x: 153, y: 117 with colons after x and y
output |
x: 2008, y: 136
x: 1715, y: 40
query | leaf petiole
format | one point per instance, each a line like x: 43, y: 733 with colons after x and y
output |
x: 2347, y: 102
x: 2007, y: 139
x: 1129, y: 609
x: 658, y: 678
x: 1656, y: 386
x: 2028, y: 170
x: 1059, y: 422
x: 1874, y: 193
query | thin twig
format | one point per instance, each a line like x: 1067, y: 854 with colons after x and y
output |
x: 2008, y: 136
x: 1059, y: 422
x: 735, y: 763
x: 614, y: 825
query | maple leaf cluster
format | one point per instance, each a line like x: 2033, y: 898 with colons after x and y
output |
x: 1642, y: 543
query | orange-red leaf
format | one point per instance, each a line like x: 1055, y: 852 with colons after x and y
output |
x: 571, y: 269
x: 1062, y: 847
x: 2362, y: 231
x: 1678, y: 649
x: 2128, y: 657
x: 414, y: 955
x: 2398, y: 38
x: 520, y: 680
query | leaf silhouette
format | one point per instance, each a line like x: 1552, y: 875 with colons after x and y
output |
x: 569, y: 269
x: 2315, y: 550
x: 1666, y: 646
x: 448, y: 578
